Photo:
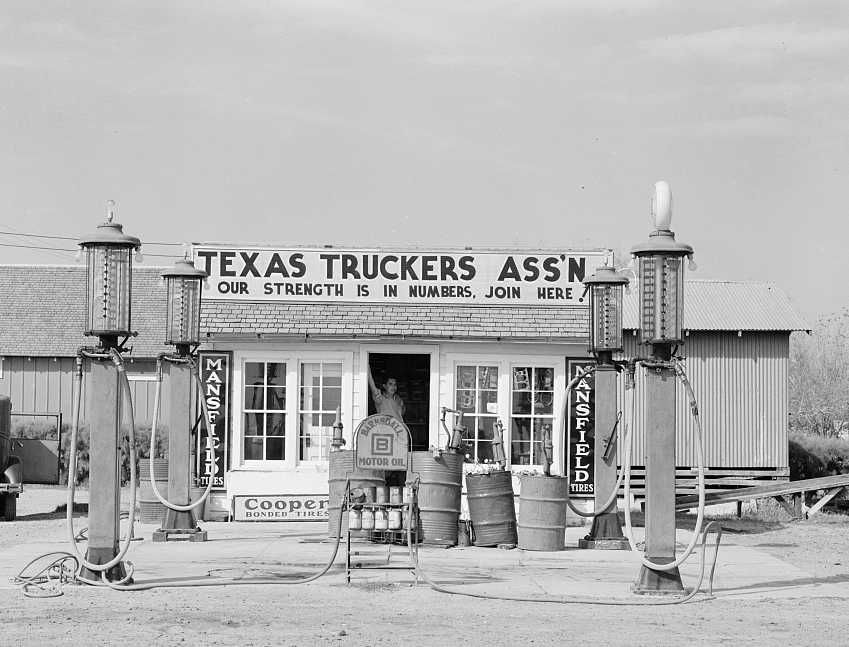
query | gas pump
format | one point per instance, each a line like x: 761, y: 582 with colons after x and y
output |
x: 661, y: 276
x: 605, y: 288
x: 108, y: 296
x: 183, y: 299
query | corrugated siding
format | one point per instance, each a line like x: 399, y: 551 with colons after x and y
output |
x: 45, y: 385
x: 740, y: 384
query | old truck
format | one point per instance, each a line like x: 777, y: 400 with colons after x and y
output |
x: 11, y: 478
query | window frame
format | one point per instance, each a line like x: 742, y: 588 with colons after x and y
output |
x: 456, y: 389
x: 505, y: 375
x: 321, y: 412
x: 287, y: 412
x: 292, y: 359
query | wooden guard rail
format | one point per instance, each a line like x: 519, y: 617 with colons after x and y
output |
x: 790, y: 494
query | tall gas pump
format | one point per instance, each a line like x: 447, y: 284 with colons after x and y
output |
x: 660, y: 272
x: 605, y: 288
x: 109, y: 270
x: 176, y: 371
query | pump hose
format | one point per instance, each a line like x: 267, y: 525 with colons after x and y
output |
x: 72, y: 470
x: 237, y: 581
x: 629, y: 533
x: 47, y: 582
x: 643, y: 602
x: 210, y: 430
x: 67, y: 575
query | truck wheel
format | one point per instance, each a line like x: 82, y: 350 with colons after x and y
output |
x: 10, y: 507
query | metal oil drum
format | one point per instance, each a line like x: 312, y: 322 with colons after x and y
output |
x: 341, y: 468
x: 542, y: 512
x: 438, y: 496
x: 150, y: 508
x: 491, y: 508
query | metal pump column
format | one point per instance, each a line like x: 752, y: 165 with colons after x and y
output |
x: 177, y: 383
x: 104, y: 487
x: 606, y: 532
x: 660, y: 477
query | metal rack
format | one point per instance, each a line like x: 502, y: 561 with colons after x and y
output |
x: 394, y: 441
x: 408, y: 532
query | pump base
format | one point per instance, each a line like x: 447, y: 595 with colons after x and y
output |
x: 650, y: 582
x: 605, y: 534
x: 102, y: 556
x: 603, y: 544
x: 180, y: 522
x: 192, y: 534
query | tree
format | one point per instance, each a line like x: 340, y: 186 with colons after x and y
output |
x: 819, y: 378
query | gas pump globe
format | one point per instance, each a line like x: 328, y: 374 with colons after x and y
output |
x: 109, y: 271
x: 183, y: 295
x: 661, y: 275
x: 606, y: 287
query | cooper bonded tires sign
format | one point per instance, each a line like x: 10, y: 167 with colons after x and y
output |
x: 281, y: 507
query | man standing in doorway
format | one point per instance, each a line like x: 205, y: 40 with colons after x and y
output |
x: 386, y: 398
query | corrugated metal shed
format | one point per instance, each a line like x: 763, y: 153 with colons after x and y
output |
x: 728, y: 305
x: 740, y: 384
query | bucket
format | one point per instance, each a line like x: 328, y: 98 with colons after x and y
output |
x: 150, y: 509
x: 491, y: 508
x: 542, y: 513
x: 341, y: 464
x: 439, y: 496
x: 216, y: 507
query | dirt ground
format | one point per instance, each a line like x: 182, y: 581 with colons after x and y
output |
x: 329, y: 612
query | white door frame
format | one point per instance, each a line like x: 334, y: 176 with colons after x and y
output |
x: 404, y: 349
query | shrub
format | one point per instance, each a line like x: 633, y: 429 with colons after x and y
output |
x: 813, y: 456
x: 36, y: 429
x: 142, y: 436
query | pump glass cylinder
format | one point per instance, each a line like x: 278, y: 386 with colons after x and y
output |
x: 182, y: 310
x: 108, y: 290
x: 661, y: 298
x: 606, y: 317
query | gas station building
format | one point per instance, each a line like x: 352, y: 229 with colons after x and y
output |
x: 290, y: 335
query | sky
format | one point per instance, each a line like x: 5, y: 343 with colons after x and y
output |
x: 442, y: 124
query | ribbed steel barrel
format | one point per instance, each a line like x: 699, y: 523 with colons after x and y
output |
x: 150, y: 509
x: 542, y: 513
x: 439, y: 496
x: 491, y: 508
x: 341, y: 469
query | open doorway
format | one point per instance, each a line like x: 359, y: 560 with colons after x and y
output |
x: 412, y: 376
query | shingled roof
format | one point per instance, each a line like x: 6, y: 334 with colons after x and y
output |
x: 43, y: 310
x: 225, y: 319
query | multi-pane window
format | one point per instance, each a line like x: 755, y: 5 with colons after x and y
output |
x: 320, y: 397
x: 476, y: 395
x: 531, y: 413
x: 264, y: 411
